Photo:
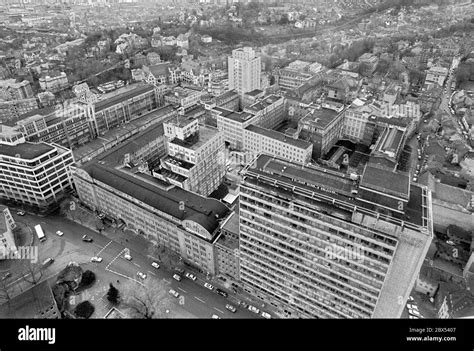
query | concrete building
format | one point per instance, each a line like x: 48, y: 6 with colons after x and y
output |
x: 7, y: 241
x: 232, y: 124
x: 436, y: 75
x: 269, y: 111
x: 369, y: 61
x: 168, y: 215
x: 194, y: 156
x: 291, y: 79
x: 122, y: 107
x: 311, y: 248
x: 244, y: 69
x: 323, y: 128
x: 53, y: 81
x: 356, y: 118
x: 35, y: 175
x: 67, y: 126
x: 184, y: 99
x: 10, y: 89
x: 261, y: 140
x: 13, y: 109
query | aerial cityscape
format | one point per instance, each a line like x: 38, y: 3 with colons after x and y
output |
x: 236, y: 159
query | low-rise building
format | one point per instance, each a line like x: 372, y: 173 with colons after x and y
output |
x: 53, y: 81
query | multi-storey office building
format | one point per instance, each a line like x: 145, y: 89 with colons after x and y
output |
x: 10, y: 89
x: 290, y: 79
x: 312, y: 248
x: 33, y: 174
x: 180, y: 220
x: 261, y: 140
x: 184, y: 98
x: 233, y: 124
x: 13, y: 109
x: 123, y: 107
x: 194, y: 156
x: 323, y: 128
x: 54, y: 81
x: 64, y: 125
x: 270, y: 111
x: 244, y: 69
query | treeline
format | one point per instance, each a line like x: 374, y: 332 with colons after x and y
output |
x: 351, y: 53
x: 228, y: 34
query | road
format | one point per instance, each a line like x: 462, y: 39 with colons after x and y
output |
x: 198, y: 300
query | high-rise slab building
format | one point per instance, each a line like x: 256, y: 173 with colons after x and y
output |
x: 320, y: 243
x: 244, y: 70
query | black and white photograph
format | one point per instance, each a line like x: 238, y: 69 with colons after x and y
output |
x: 290, y: 162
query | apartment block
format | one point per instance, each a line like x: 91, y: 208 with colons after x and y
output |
x: 53, y: 81
x: 244, y: 69
x: 312, y: 248
x: 291, y: 79
x: 227, y: 248
x: 35, y: 175
x: 184, y: 99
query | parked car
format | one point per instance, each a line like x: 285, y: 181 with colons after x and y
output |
x: 191, y: 276
x: 48, y: 262
x: 177, y: 277
x: 209, y: 286
x: 141, y: 275
x: 179, y: 270
x: 266, y: 315
x: 449, y: 242
x: 221, y: 292
x: 127, y: 257
x: 215, y: 316
x: 59, y: 233
x: 155, y: 265
x: 96, y: 259
x: 87, y: 238
x: 174, y: 293
x: 20, y: 213
x: 231, y: 308
x: 253, y: 309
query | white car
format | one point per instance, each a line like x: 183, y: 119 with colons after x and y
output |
x: 449, y: 242
x: 96, y: 259
x: 254, y: 309
x: 141, y: 275
x: 20, y: 213
x: 266, y: 315
x: 231, y: 308
x: 155, y: 265
x: 127, y: 257
x: 412, y: 317
x: 209, y: 286
x: 414, y: 313
x: 215, y: 316
x: 174, y: 293
x: 177, y: 277
x: 59, y: 233
x: 410, y: 298
x: 191, y: 276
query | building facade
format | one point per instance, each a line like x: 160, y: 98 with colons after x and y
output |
x: 244, y: 69
x: 310, y: 249
x: 35, y: 175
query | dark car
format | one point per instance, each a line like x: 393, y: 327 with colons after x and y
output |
x: 179, y: 270
x: 87, y: 238
x: 222, y: 292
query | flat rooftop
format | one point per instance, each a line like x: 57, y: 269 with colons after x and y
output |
x: 264, y: 103
x: 195, y: 141
x: 334, y: 185
x: 235, y: 116
x: 320, y: 118
x: 121, y: 96
x: 279, y: 136
x: 386, y: 181
x: 27, y: 151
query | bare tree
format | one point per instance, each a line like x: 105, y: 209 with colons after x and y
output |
x: 150, y: 301
x: 34, y: 272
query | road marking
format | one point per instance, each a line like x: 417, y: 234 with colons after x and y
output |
x: 136, y: 264
x: 167, y: 281
x: 182, y: 290
x: 118, y: 255
x: 197, y: 298
x: 152, y: 273
x: 218, y: 310
x: 98, y: 255
x: 124, y: 276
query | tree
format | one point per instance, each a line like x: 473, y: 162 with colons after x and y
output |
x: 34, y: 271
x: 149, y: 301
x: 84, y: 310
x: 88, y: 278
x: 113, y: 294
